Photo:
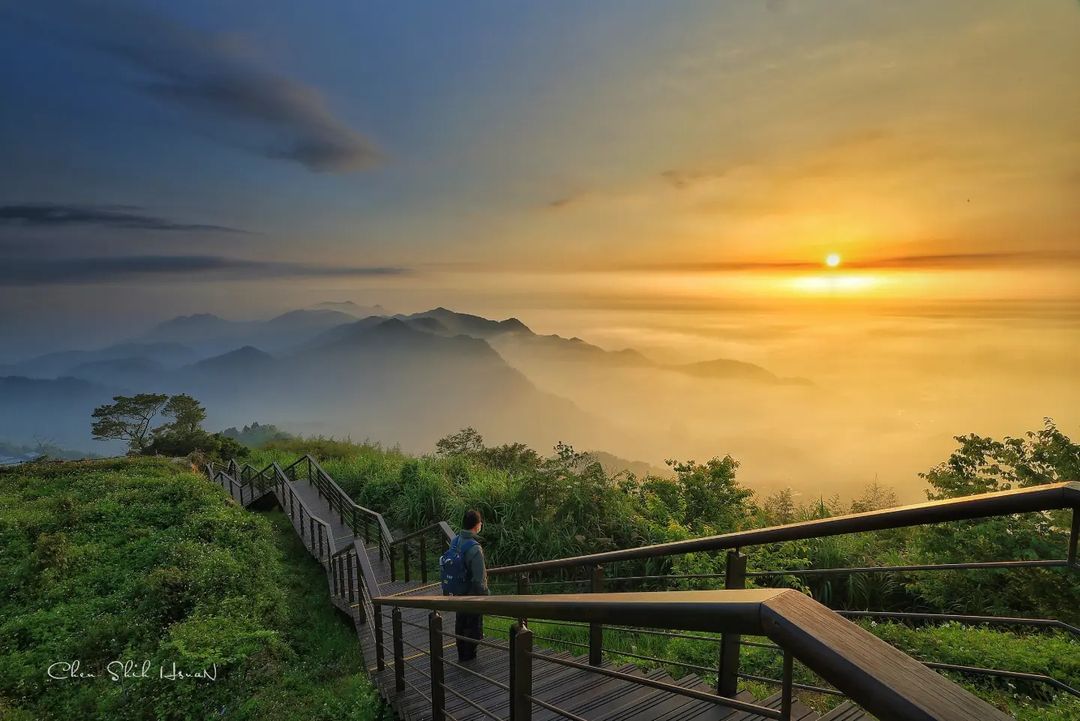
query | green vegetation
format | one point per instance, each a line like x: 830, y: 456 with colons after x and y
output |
x: 537, y: 508
x: 256, y: 435
x: 144, y: 560
x: 131, y: 418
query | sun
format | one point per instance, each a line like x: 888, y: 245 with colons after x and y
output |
x: 832, y: 260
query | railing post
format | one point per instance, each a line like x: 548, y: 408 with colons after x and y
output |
x: 785, y: 689
x: 521, y: 646
x: 311, y: 535
x: 393, y: 568
x: 361, y: 611
x: 596, y: 630
x: 423, y: 559
x: 727, y: 678
x: 405, y: 559
x: 399, y: 650
x: 350, y: 577
x: 1074, y: 538
x: 380, y: 662
x: 438, y: 695
x: 523, y: 586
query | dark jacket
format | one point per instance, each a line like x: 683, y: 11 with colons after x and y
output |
x: 474, y: 562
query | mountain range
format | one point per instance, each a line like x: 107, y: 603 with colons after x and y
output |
x: 396, y: 378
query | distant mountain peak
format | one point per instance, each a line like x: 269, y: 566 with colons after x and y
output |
x: 245, y: 355
x: 514, y: 325
x: 319, y: 315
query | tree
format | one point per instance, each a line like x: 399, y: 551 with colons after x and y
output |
x: 128, y: 419
x: 983, y: 465
x: 466, y: 442
x: 874, y: 498
x: 188, y: 415
x: 715, y: 502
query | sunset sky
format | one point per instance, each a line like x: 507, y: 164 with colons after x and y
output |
x: 634, y: 171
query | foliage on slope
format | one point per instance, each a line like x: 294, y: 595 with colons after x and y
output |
x: 539, y: 507
x: 142, y: 560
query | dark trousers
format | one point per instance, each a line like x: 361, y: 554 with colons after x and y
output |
x: 471, y: 625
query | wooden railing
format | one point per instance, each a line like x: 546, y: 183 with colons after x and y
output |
x: 1036, y: 499
x: 881, y: 679
x: 315, y: 532
x: 440, y: 532
x: 353, y: 580
x: 362, y: 521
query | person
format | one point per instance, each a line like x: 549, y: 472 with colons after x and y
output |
x: 471, y: 624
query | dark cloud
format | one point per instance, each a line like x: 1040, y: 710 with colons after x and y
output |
x: 682, y: 179
x: 70, y: 271
x: 212, y: 74
x: 564, y: 202
x: 113, y: 216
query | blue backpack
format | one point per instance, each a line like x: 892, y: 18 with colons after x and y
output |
x: 453, y: 571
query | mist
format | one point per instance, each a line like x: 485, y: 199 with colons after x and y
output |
x: 821, y: 404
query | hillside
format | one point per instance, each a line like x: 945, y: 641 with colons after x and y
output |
x: 143, y: 560
x: 540, y: 507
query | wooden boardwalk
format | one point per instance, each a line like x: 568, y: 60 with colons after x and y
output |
x: 587, y: 695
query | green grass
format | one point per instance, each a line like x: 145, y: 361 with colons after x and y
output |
x: 143, y: 559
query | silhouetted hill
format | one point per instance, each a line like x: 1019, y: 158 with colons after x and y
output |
x: 726, y: 369
x: 131, y: 372
x: 248, y: 359
x: 613, y: 464
x: 309, y: 319
x: 405, y: 379
x: 54, y: 365
x: 554, y: 348
x: 193, y: 328
x: 474, y: 325
x: 345, y: 332
x: 210, y: 335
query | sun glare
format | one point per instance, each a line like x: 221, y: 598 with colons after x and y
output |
x: 832, y: 260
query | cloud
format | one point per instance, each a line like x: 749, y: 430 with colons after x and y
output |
x: 942, y: 261
x: 73, y: 271
x: 566, y: 201
x: 682, y: 179
x: 112, y: 216
x: 210, y: 73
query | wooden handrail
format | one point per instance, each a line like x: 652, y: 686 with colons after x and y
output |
x: 384, y: 530
x: 1051, y: 496
x: 885, y: 681
x: 440, y: 525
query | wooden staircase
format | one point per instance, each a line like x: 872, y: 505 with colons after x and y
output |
x: 471, y: 697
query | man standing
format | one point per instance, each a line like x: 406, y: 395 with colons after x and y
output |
x: 471, y: 624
